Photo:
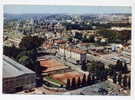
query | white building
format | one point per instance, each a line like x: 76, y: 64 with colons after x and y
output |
x: 73, y: 54
x: 120, y: 28
x: 116, y: 47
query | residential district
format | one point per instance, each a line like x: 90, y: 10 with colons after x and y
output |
x: 67, y: 54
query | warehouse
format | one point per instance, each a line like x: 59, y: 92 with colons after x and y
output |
x: 16, y: 77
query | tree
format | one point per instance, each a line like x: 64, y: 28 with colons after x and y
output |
x: 70, y: 39
x: 83, y: 65
x: 78, y: 36
x: 28, y: 59
x: 125, y: 81
x: 23, y: 53
x: 31, y: 42
x: 78, y: 82
x: 100, y: 71
x: 129, y: 82
x: 93, y: 79
x: 119, y: 65
x: 110, y: 34
x: 84, y: 82
x: 125, y: 35
x: 84, y: 39
x: 111, y: 69
x: 92, y: 67
x: 119, y: 79
x: 28, y: 62
x: 89, y: 80
x: 115, y: 77
x: 12, y: 51
x: 24, y: 60
x: 91, y: 38
x: 68, y: 85
x: 38, y: 70
x: 73, y: 85
x: 125, y: 68
x: 104, y: 75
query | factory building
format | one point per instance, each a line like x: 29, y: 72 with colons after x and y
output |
x: 16, y: 77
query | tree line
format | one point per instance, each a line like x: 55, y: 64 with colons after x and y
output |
x: 122, y: 80
x: 114, y: 36
x: 75, y: 83
x: 26, y: 54
x: 118, y: 72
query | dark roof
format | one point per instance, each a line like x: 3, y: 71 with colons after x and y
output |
x: 13, y: 69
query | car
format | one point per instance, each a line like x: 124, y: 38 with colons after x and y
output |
x: 103, y: 91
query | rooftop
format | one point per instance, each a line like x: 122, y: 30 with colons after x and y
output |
x: 13, y: 69
x: 76, y: 50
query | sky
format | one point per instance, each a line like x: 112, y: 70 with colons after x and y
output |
x: 32, y: 9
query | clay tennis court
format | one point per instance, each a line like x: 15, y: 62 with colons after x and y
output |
x: 51, y: 65
x: 68, y: 75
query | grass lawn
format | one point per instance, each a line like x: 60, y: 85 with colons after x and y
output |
x: 53, y: 80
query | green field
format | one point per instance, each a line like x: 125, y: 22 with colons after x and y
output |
x: 53, y: 80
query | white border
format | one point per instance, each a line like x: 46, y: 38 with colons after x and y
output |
x: 71, y: 2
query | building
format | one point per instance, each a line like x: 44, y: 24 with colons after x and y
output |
x: 74, y: 55
x: 121, y: 28
x: 16, y: 77
x: 116, y: 47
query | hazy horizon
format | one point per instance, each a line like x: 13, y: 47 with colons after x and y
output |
x: 49, y: 9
